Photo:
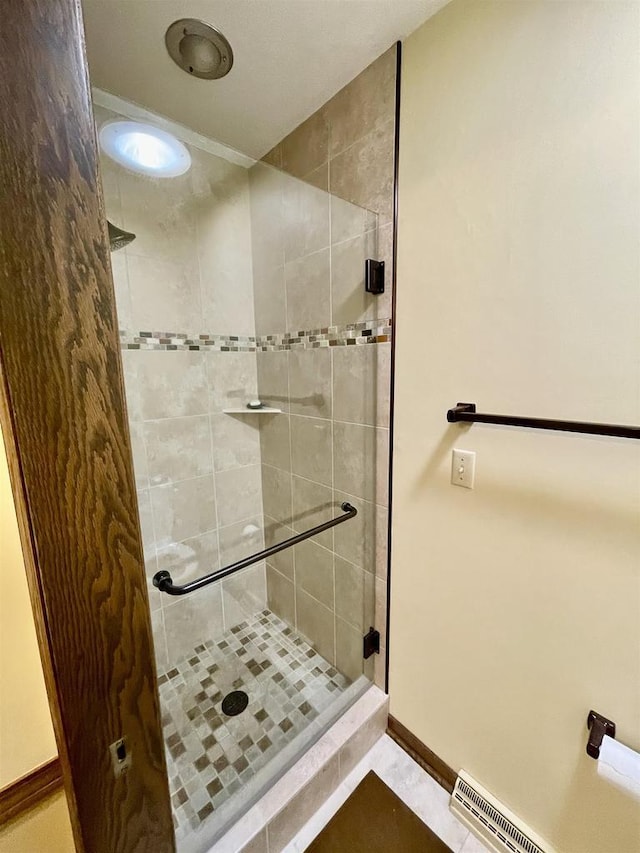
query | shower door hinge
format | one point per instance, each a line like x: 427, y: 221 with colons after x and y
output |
x: 374, y: 276
x: 371, y: 643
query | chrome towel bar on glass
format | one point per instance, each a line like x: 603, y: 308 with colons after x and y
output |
x: 163, y: 581
x: 466, y: 413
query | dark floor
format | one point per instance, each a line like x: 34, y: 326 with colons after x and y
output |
x: 375, y: 820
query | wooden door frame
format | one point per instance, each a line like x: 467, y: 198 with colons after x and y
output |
x: 64, y: 421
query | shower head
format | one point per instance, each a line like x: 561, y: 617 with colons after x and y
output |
x: 118, y: 238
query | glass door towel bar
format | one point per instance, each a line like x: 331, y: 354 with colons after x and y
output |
x: 466, y: 413
x: 162, y: 580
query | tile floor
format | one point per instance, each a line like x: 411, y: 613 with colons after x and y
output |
x: 414, y: 787
x: 210, y: 755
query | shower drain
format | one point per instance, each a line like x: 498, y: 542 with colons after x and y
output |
x: 234, y: 703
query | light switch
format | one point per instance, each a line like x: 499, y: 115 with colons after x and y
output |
x: 463, y: 468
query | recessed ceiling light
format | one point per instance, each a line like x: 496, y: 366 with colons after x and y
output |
x: 144, y: 149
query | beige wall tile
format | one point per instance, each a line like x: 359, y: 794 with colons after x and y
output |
x: 350, y: 302
x: 139, y: 453
x: 159, y: 641
x: 361, y: 383
x: 121, y: 286
x: 306, y: 218
x: 165, y: 294
x: 380, y: 668
x: 349, y: 658
x: 307, y: 147
x: 311, y: 450
x: 313, y: 504
x: 183, y: 510
x: 349, y: 220
x: 275, y: 441
x: 239, y: 494
x: 269, y: 299
x: 276, y: 494
x: 170, y: 384
x: 156, y: 598
x: 273, y: 378
x: 316, y: 623
x: 192, y: 619
x: 132, y: 388
x: 232, y: 379
x: 363, y: 173
x: 110, y: 174
x: 319, y: 177
x: 266, y: 188
x: 382, y: 548
x: 310, y: 382
x: 385, y: 253
x: 355, y: 540
x: 281, y: 596
x: 241, y: 540
x: 314, y: 571
x: 364, y: 104
x: 236, y: 440
x: 274, y: 157
x: 275, y: 532
x: 308, y: 285
x: 225, y: 254
x: 350, y: 592
x: 380, y: 617
x: 146, y: 522
x: 361, y: 460
x: 178, y: 449
x: 161, y: 214
x: 244, y: 595
x: 189, y: 559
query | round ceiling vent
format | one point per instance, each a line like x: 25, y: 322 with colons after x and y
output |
x: 199, y: 49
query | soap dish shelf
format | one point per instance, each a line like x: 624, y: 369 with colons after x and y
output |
x: 265, y: 410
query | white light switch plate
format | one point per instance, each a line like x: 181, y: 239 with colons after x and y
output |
x: 463, y: 468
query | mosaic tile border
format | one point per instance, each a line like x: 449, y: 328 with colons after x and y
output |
x: 351, y: 334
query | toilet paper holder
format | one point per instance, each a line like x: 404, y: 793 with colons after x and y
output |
x: 598, y: 727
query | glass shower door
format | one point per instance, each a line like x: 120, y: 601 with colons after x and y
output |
x: 244, y: 284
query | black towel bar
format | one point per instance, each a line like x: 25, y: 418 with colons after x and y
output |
x: 466, y: 413
x: 162, y: 580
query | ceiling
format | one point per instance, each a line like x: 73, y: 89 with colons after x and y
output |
x: 291, y: 56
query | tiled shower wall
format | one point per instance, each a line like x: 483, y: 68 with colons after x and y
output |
x: 189, y: 273
x: 334, y: 442
x: 329, y: 379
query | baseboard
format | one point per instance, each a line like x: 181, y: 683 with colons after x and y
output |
x: 29, y: 790
x: 422, y: 755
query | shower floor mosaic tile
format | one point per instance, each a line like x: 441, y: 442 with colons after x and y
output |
x: 211, y: 755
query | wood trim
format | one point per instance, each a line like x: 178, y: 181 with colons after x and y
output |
x: 65, y: 427
x: 422, y: 755
x: 29, y: 790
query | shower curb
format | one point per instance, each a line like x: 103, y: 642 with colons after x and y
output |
x: 270, y: 824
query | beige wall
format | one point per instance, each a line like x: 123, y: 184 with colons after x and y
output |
x: 516, y: 606
x: 26, y: 732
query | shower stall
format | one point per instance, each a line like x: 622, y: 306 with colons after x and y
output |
x: 257, y: 374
